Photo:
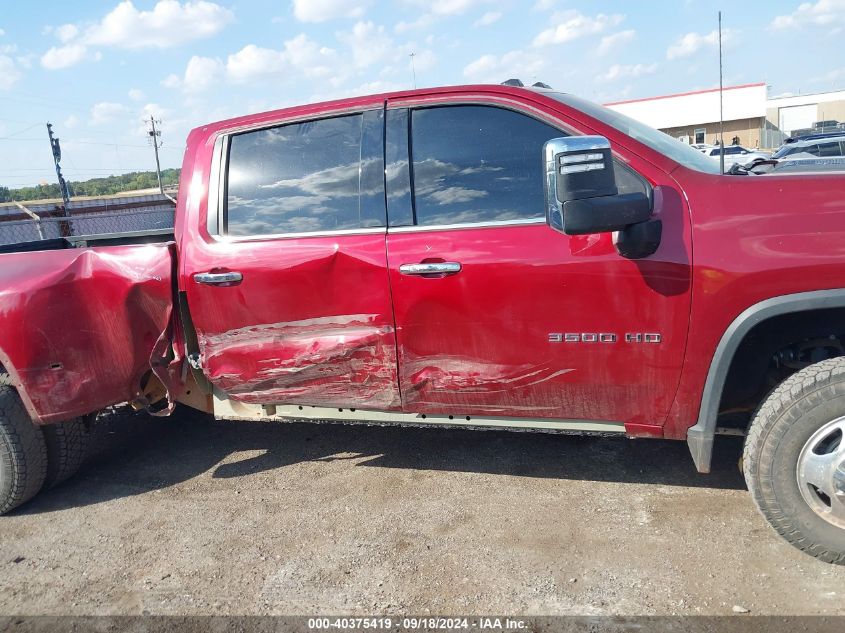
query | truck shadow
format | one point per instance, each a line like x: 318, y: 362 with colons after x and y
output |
x: 135, y: 454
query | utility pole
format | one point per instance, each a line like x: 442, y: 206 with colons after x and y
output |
x: 56, y: 148
x: 721, y: 111
x: 155, y: 135
x: 413, y: 69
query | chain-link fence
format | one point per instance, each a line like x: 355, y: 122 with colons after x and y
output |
x: 86, y: 217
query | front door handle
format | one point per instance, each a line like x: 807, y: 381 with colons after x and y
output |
x: 219, y: 279
x: 431, y: 268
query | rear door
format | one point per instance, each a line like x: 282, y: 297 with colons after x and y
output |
x: 288, y: 292
x: 497, y: 314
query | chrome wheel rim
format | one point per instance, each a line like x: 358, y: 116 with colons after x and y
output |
x: 821, y: 472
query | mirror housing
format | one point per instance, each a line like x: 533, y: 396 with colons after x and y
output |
x: 581, y: 193
x: 582, y: 196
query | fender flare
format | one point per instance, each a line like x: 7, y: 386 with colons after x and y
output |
x: 700, y: 436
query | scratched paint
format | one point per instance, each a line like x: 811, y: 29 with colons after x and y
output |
x: 476, y: 386
x: 343, y: 361
x: 78, y: 326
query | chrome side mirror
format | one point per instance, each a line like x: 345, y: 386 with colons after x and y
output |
x: 581, y: 193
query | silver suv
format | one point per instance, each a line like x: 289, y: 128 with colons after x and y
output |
x: 828, y: 147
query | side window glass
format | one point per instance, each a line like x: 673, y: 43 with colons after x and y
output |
x: 303, y: 177
x: 629, y: 181
x: 477, y: 164
x: 829, y: 149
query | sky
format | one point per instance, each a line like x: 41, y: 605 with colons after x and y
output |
x: 96, y: 69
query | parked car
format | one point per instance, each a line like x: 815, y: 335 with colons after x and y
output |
x: 487, y: 256
x: 702, y: 147
x: 814, y: 146
x: 735, y: 154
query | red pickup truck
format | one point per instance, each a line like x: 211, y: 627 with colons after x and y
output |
x: 487, y: 256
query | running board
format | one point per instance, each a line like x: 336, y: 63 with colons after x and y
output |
x: 227, y: 409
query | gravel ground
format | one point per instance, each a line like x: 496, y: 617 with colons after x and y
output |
x: 191, y: 516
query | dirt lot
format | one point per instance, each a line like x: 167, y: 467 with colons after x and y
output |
x: 192, y: 516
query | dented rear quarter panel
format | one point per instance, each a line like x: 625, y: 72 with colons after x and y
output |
x: 78, y: 326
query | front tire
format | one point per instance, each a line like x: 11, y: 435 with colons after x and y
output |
x: 23, y: 452
x: 794, y: 460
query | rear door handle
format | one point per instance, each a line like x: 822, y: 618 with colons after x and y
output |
x: 219, y: 279
x: 431, y: 268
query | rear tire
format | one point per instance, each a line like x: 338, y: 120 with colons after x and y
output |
x: 23, y: 452
x: 67, y: 444
x: 794, y: 460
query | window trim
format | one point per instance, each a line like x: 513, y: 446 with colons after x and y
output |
x: 218, y: 180
x: 504, y: 104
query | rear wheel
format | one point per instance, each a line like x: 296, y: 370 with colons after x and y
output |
x: 23, y: 452
x: 794, y: 460
x: 66, y: 448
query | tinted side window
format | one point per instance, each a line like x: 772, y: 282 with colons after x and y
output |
x: 301, y: 177
x: 829, y: 149
x: 477, y: 164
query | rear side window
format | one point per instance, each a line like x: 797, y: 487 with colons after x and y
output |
x: 829, y: 149
x: 477, y: 164
x: 305, y: 177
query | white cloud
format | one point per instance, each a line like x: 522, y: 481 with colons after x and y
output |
x: 2, y: 32
x: 59, y: 57
x: 369, y: 44
x: 9, y: 73
x: 424, y: 21
x: 169, y: 23
x: 614, y: 40
x: 66, y: 32
x: 154, y: 110
x: 202, y: 73
x: 105, y: 112
x: 71, y: 122
x: 447, y: 7
x: 324, y: 10
x: 310, y: 58
x: 495, y: 68
x: 136, y: 95
x: 572, y: 25
x: 824, y: 13
x: 620, y: 71
x: 300, y: 55
x: 691, y: 43
x: 253, y: 61
x: 488, y: 18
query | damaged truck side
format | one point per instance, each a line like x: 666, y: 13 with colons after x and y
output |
x: 486, y: 256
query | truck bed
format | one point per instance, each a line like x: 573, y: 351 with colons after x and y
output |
x: 150, y: 236
x: 80, y: 324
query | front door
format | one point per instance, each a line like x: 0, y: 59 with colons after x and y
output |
x: 496, y: 313
x: 289, y: 294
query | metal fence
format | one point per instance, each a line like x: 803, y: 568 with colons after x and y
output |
x: 96, y: 216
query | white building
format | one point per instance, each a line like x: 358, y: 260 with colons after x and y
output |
x: 749, y: 117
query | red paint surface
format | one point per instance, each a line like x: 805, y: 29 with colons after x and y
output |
x: 330, y: 321
x: 311, y: 322
x: 79, y: 326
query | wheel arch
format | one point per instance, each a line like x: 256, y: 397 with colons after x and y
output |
x: 700, y: 436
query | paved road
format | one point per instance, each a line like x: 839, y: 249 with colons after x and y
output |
x: 191, y: 516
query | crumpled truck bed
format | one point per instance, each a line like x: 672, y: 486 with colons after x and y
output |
x: 78, y: 327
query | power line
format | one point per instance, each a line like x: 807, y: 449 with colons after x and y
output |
x: 13, y: 134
